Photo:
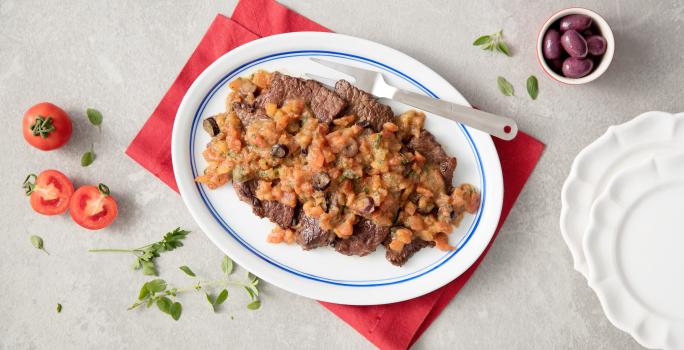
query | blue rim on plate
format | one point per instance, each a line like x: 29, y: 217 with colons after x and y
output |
x: 351, y: 283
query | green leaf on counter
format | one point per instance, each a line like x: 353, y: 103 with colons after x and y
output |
x: 504, y: 86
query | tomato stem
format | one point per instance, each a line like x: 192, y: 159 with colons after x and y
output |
x: 103, y: 189
x: 29, y: 183
x: 42, y: 126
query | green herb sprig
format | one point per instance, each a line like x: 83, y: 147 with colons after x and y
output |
x: 95, y: 118
x: 493, y: 42
x: 157, y: 292
x: 38, y: 243
x: 146, y: 255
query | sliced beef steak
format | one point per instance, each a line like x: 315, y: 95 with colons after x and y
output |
x: 275, y: 211
x: 246, y: 191
x: 279, y: 213
x: 367, y: 236
x: 364, y: 105
x: 325, y: 104
x: 309, y: 234
x: 402, y: 257
x: 247, y: 113
x: 426, y: 145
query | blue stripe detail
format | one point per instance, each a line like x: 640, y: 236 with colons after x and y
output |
x: 368, y: 283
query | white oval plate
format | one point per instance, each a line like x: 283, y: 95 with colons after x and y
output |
x: 634, y: 253
x: 324, y: 274
x: 619, y: 148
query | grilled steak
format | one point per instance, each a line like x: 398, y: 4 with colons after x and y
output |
x: 248, y: 113
x: 400, y: 258
x: 309, y: 234
x: 426, y: 145
x: 246, y: 192
x: 325, y: 104
x: 275, y: 211
x: 364, y: 105
x: 367, y: 236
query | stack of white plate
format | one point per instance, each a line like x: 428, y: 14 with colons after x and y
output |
x: 623, y: 220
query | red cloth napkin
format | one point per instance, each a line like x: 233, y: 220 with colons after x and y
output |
x: 391, y: 326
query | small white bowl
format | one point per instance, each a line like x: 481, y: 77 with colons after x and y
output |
x: 606, y: 32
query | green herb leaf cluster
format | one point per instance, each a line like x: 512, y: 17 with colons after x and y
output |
x: 493, y: 42
x: 146, y: 255
x: 507, y: 89
x: 157, y: 292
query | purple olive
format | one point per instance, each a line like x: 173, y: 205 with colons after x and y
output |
x: 575, y: 22
x: 556, y: 64
x: 552, y: 47
x: 596, y: 45
x: 574, y: 44
x: 574, y: 67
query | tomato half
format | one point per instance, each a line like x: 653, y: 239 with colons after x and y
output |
x: 51, y: 192
x: 46, y: 126
x: 93, y: 207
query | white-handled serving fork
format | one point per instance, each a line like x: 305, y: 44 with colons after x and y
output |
x: 373, y: 83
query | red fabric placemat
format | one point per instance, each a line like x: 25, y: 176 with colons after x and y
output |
x: 391, y: 326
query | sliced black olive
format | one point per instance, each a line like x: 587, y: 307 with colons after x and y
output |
x: 304, y: 151
x: 364, y: 123
x: 368, y: 205
x: 279, y: 150
x: 211, y: 126
x: 320, y: 181
x: 350, y: 149
x: 427, y: 210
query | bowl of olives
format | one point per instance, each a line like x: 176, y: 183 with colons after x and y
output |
x: 575, y: 46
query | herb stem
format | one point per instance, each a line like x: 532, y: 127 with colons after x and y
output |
x: 112, y: 250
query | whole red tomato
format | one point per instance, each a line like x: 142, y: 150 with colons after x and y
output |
x: 46, y: 126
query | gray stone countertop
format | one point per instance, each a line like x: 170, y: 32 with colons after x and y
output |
x: 121, y: 56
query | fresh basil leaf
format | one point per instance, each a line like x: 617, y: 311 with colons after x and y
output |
x: 227, y: 265
x: 254, y: 305
x: 210, y: 298
x: 94, y: 116
x: 59, y: 307
x: 485, y: 39
x: 87, y: 158
x: 164, y: 304
x: 533, y: 87
x: 155, y: 286
x: 504, y: 86
x: 221, y: 297
x: 175, y: 310
x: 187, y: 271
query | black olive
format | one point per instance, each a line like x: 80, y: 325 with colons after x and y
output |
x: 350, y: 149
x: 364, y: 123
x: 304, y: 151
x: 427, y: 210
x: 279, y: 150
x: 368, y: 206
x: 320, y: 181
x: 211, y: 126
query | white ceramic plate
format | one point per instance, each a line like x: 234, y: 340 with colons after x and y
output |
x: 322, y: 273
x: 634, y: 253
x: 620, y: 147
